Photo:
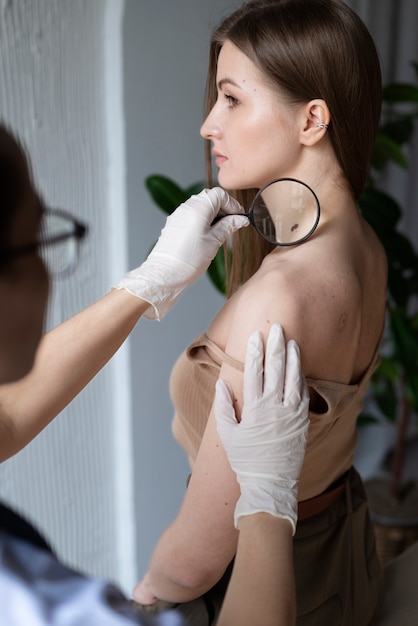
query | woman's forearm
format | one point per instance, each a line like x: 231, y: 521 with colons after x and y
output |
x: 194, y: 551
x: 176, y: 572
x: 261, y: 590
x: 68, y: 358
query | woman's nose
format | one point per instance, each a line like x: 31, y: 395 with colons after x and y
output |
x: 210, y: 129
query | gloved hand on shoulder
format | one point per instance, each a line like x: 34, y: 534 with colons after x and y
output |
x: 266, y: 449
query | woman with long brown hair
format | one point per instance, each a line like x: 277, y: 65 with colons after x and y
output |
x: 293, y: 90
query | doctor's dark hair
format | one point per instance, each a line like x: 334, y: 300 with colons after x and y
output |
x: 310, y: 49
x: 15, y: 184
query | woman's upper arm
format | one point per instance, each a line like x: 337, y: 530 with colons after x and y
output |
x: 206, y: 519
x: 205, y: 523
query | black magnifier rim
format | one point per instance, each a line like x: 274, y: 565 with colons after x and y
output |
x: 291, y: 243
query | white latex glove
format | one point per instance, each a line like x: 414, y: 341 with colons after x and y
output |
x: 185, y: 249
x: 266, y: 449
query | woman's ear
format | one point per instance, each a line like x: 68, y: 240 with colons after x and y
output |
x: 315, y: 122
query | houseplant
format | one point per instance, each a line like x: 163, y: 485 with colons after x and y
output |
x: 394, y: 386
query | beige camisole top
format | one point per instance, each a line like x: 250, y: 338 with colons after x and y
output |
x: 332, y: 433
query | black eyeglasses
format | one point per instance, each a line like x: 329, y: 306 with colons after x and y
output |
x: 60, y: 236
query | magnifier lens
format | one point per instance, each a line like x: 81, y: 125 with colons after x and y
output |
x: 285, y: 212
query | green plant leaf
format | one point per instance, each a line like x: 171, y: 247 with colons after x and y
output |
x: 386, y: 150
x: 400, y: 250
x: 194, y: 189
x: 400, y: 93
x: 388, y: 368
x: 217, y: 272
x: 379, y: 209
x: 365, y: 419
x: 165, y: 192
x: 398, y: 287
x: 399, y: 130
x: 412, y: 389
x: 403, y: 283
x: 385, y: 396
x: 405, y: 340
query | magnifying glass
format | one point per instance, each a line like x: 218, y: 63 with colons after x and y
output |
x: 285, y: 212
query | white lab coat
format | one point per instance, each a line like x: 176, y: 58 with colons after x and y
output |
x: 37, y: 590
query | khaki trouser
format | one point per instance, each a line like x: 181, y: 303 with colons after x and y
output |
x: 337, y: 571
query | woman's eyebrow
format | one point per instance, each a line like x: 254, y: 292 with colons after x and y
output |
x: 227, y: 81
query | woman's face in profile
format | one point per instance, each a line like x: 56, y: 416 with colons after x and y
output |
x: 23, y: 296
x: 253, y: 130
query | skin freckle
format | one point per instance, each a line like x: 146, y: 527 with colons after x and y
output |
x: 343, y: 321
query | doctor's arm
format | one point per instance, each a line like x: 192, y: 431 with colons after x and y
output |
x: 266, y: 450
x: 70, y: 355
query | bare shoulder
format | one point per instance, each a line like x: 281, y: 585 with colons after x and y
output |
x: 328, y: 294
x: 289, y: 291
x: 325, y: 297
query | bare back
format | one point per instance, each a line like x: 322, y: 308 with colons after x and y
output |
x: 328, y: 294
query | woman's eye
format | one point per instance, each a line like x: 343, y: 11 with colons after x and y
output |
x: 232, y: 102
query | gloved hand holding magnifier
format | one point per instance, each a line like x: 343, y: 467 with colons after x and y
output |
x: 285, y: 212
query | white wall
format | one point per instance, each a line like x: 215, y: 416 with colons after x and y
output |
x: 166, y: 47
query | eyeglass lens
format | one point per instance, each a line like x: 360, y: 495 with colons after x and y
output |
x: 61, y: 244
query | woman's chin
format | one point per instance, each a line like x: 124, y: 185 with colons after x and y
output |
x: 228, y: 182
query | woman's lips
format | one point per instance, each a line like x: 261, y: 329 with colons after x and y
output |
x: 219, y: 158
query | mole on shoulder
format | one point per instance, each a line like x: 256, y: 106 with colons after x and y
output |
x: 343, y: 321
